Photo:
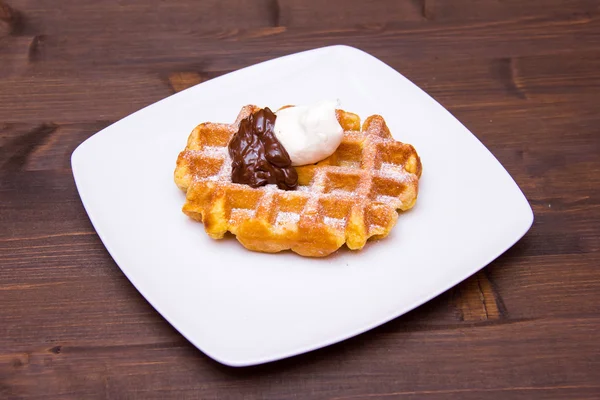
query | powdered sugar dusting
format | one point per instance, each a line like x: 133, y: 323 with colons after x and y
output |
x: 394, y: 172
x: 284, y: 218
x: 225, y: 171
x: 392, y: 201
x: 375, y: 126
x: 238, y: 214
x: 269, y: 188
x: 394, y: 169
x: 336, y: 223
x: 350, y: 164
x: 215, y: 151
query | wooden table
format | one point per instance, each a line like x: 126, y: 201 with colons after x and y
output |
x: 524, y: 76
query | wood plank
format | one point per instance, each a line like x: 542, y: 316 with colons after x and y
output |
x: 523, y: 78
x: 134, y: 47
x: 518, y: 393
x: 477, y: 300
x: 44, y: 17
x: 213, y: 14
x: 10, y: 20
x: 73, y: 98
x: 497, y: 359
x: 341, y: 13
x: 40, y: 204
x: 46, y: 146
x: 15, y: 53
x: 523, y: 87
x: 558, y: 285
x: 475, y: 10
x: 530, y: 77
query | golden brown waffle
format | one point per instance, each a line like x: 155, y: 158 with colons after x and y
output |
x: 351, y: 196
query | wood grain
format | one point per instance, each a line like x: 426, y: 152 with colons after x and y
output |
x: 523, y: 76
x: 495, y: 359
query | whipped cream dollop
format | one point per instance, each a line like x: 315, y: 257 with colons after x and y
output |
x: 309, y: 133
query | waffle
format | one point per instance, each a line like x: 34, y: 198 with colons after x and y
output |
x: 349, y: 197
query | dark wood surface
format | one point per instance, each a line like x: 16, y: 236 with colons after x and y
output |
x: 524, y: 76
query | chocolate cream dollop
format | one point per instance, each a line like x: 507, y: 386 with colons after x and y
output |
x: 257, y: 157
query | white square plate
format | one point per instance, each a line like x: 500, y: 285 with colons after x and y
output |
x: 243, y: 308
